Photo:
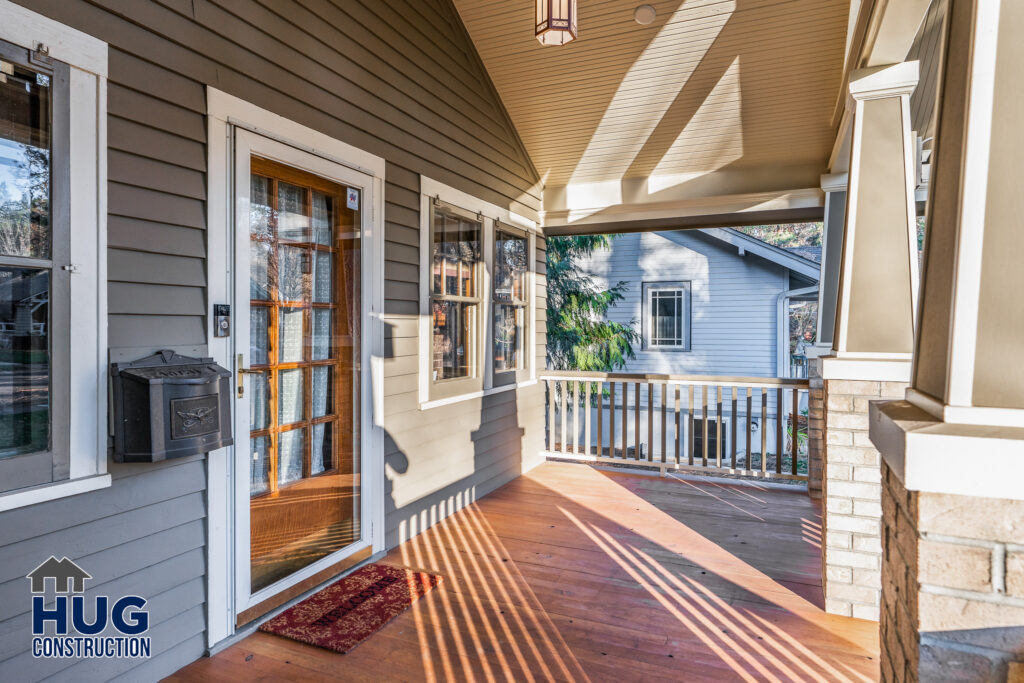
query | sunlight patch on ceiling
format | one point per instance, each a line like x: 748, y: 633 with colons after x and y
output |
x: 722, y: 111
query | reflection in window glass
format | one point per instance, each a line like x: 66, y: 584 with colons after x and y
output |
x: 25, y: 232
x: 25, y: 148
x: 25, y: 366
x: 291, y: 445
x: 510, y: 300
x: 456, y: 255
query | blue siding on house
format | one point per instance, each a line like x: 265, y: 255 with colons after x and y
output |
x: 733, y: 301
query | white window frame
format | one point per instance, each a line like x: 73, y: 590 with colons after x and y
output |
x: 524, y: 373
x: 87, y: 362
x: 484, y: 383
x: 649, y: 288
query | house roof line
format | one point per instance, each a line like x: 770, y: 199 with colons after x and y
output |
x: 770, y: 252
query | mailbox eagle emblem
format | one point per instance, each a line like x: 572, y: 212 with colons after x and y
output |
x: 195, y: 417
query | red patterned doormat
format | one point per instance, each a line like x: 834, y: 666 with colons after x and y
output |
x: 351, y: 610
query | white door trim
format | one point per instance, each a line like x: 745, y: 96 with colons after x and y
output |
x: 226, y: 116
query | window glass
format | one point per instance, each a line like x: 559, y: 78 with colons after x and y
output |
x: 25, y: 231
x: 510, y: 300
x: 456, y: 254
x: 667, y: 312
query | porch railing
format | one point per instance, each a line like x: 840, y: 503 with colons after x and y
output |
x: 752, y: 426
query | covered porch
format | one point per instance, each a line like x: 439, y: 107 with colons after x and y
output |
x: 575, y: 572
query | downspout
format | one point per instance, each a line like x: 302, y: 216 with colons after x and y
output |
x: 782, y: 328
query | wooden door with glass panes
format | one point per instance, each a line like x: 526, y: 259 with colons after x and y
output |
x: 303, y: 369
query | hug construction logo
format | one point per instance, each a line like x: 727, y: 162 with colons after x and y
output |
x: 72, y: 626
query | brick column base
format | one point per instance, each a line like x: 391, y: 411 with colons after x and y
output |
x: 952, y: 586
x: 852, y: 521
x: 815, y: 429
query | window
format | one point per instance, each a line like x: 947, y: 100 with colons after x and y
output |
x: 456, y: 254
x: 510, y: 302
x: 52, y: 123
x: 476, y: 296
x: 667, y: 315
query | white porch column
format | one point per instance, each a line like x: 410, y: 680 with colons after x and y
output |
x: 953, y: 452
x: 873, y: 334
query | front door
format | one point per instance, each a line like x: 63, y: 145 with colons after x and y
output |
x: 298, y: 228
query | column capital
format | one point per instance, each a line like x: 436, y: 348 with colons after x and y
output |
x: 834, y: 182
x: 892, y: 80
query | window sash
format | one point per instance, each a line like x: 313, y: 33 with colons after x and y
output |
x: 468, y: 327
x: 503, y: 232
x: 53, y: 464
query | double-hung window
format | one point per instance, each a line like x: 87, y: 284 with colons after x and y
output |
x: 667, y: 316
x: 476, y: 296
x: 52, y: 255
x: 456, y: 288
x: 510, y: 304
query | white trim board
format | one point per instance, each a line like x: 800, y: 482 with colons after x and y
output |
x: 866, y: 369
x: 24, y: 27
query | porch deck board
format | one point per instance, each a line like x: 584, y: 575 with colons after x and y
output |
x: 575, y: 573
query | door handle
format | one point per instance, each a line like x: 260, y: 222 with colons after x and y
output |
x: 242, y: 372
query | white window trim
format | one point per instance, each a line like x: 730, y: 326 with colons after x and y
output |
x: 492, y: 213
x: 87, y: 57
x: 647, y: 290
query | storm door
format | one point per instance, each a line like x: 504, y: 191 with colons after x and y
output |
x: 298, y: 381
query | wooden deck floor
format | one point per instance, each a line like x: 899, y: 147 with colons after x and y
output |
x: 573, y: 573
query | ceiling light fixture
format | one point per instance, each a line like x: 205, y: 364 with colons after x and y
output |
x: 644, y: 14
x: 556, y: 21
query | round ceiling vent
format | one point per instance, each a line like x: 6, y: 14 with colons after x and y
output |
x: 644, y: 14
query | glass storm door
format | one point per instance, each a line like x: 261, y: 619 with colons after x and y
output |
x: 299, y: 374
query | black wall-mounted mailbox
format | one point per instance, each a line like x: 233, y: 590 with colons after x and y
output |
x: 169, y: 406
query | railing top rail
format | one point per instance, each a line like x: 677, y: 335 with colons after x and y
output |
x: 699, y: 380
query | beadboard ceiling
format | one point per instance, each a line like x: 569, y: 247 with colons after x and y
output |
x: 710, y: 86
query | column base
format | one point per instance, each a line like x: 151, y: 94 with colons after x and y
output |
x: 852, y: 488
x: 953, y: 541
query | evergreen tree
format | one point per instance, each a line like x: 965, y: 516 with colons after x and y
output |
x: 579, y: 337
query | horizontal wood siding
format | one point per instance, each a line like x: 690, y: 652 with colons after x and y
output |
x: 733, y: 301
x: 397, y: 78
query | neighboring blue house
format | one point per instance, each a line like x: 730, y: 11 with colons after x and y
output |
x: 708, y: 302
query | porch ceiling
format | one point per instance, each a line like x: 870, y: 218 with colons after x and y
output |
x: 716, y: 98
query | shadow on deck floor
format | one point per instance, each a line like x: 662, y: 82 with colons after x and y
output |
x: 575, y: 573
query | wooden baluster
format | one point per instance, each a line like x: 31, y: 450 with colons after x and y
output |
x: 551, y: 415
x: 690, y: 442
x: 796, y: 430
x: 747, y: 462
x: 732, y: 428
x: 625, y: 430
x: 664, y: 402
x: 587, y: 420
x: 611, y: 419
x: 780, y: 443
x: 565, y: 408
x: 704, y: 423
x: 718, y: 428
x: 764, y: 430
x: 575, y: 416
x: 678, y: 424
x: 636, y: 421
x: 600, y: 419
x: 650, y: 421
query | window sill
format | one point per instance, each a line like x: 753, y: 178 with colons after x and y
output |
x: 45, y: 492
x: 475, y: 394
